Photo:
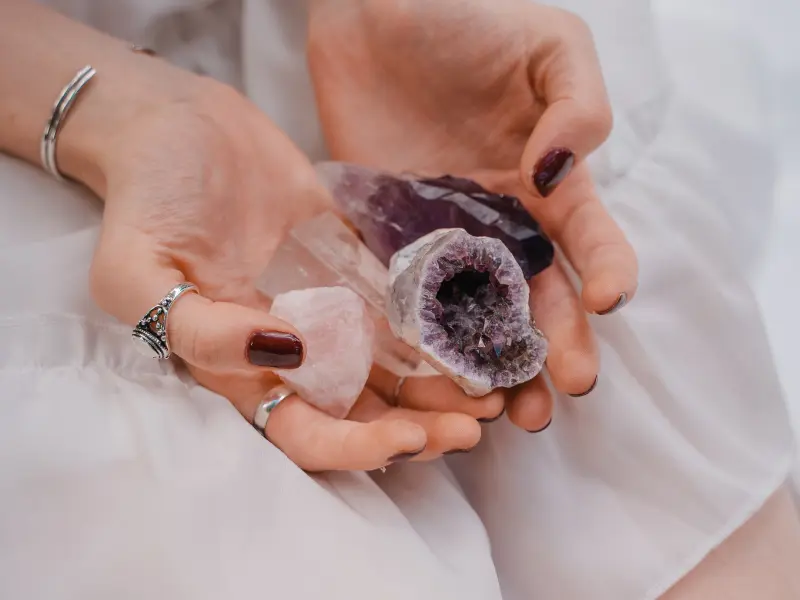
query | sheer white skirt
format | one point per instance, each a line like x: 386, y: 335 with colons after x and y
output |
x: 120, y: 478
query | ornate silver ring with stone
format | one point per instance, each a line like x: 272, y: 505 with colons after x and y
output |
x: 150, y: 334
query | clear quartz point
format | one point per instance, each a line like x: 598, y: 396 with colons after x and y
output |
x: 324, y: 252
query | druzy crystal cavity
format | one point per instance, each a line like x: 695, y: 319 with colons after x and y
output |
x: 392, y: 212
x: 462, y: 301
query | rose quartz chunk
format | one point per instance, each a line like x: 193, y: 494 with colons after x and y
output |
x: 339, y: 336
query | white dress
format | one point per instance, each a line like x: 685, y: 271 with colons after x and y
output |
x: 118, y: 479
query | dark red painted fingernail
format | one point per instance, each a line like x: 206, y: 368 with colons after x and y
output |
x: 275, y: 349
x: 621, y: 301
x: 542, y: 429
x: 492, y: 419
x: 589, y: 391
x: 551, y: 170
x: 458, y: 451
x: 405, y: 455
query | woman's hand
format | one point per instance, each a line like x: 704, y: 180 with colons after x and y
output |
x: 508, y: 93
x: 200, y: 186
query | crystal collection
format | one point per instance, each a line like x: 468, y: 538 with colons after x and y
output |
x: 455, y: 296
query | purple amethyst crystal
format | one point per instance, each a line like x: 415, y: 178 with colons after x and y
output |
x: 462, y: 302
x: 393, y: 212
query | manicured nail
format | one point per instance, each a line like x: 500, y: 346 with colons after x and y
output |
x: 458, y: 451
x: 405, y: 455
x: 543, y: 428
x: 589, y: 391
x: 551, y: 170
x: 492, y: 419
x: 621, y: 301
x: 275, y: 349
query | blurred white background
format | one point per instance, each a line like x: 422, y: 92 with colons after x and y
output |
x: 774, y: 27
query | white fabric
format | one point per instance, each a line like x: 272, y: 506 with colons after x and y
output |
x: 120, y: 479
x: 687, y: 419
x: 776, y: 283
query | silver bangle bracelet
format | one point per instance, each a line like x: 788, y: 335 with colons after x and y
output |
x: 65, y: 100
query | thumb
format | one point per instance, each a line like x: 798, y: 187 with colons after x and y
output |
x: 222, y: 336
x: 577, y: 116
x: 214, y: 336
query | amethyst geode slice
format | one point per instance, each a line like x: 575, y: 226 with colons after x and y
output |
x: 392, y: 212
x: 462, y: 302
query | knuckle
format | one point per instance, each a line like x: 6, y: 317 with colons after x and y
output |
x: 596, y: 120
x: 573, y: 25
x: 192, y: 344
x: 603, y: 118
x: 202, y: 351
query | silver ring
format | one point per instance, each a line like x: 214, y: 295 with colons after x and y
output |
x: 397, y: 387
x: 269, y: 403
x: 150, y: 334
x: 47, y: 148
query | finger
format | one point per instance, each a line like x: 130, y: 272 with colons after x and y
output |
x: 218, y: 336
x: 591, y: 240
x: 531, y: 406
x: 572, y: 358
x: 595, y: 245
x: 565, y: 73
x: 446, y: 432
x: 436, y: 393
x: 314, y: 440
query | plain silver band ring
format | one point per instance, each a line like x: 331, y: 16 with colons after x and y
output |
x: 66, y: 98
x: 269, y: 403
x: 150, y: 333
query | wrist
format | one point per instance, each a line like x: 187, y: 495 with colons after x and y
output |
x: 40, y: 51
x: 124, y: 91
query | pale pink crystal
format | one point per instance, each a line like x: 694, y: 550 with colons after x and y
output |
x: 323, y: 252
x: 339, y: 336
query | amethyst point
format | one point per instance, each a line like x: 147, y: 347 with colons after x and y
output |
x: 392, y: 212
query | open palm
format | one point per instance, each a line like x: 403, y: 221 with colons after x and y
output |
x: 204, y: 190
x: 507, y: 93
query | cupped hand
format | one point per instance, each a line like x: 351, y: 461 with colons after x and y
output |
x: 508, y: 93
x: 201, y: 187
